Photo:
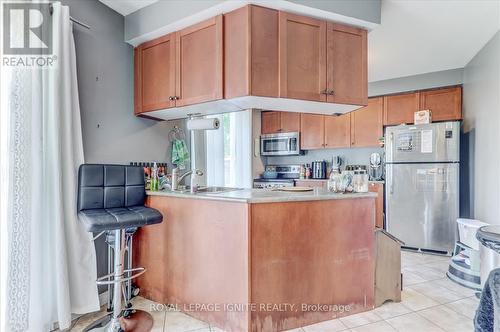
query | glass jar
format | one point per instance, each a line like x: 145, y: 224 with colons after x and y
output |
x: 360, y: 181
x: 347, y: 184
x: 335, y: 182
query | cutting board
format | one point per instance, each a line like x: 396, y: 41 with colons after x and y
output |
x: 294, y: 189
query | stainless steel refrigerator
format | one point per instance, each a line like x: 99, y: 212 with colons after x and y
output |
x: 422, y: 184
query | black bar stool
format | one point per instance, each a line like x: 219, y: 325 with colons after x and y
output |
x: 111, y: 200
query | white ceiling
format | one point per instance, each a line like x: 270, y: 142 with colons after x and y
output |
x: 126, y: 7
x: 417, y: 36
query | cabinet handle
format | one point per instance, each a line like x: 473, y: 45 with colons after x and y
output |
x: 330, y: 92
x: 176, y: 98
x: 170, y: 98
x: 324, y: 92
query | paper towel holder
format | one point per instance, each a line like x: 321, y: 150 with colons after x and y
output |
x: 192, y: 116
x: 197, y: 122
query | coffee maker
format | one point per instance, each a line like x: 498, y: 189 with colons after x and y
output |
x: 376, y: 169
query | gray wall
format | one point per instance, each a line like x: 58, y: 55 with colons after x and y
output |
x: 161, y: 13
x: 111, y: 133
x: 354, y: 156
x: 416, y: 82
x: 481, y: 102
x: 165, y: 12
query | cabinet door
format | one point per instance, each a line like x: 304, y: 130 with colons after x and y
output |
x: 312, y: 131
x: 154, y: 71
x: 367, y: 124
x: 290, y: 121
x: 400, y: 108
x: 379, y: 203
x: 302, y: 57
x: 338, y: 131
x: 251, y: 52
x: 199, y: 62
x: 346, y: 64
x: 445, y: 104
x: 270, y: 122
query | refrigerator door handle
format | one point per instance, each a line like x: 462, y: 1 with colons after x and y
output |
x: 389, y: 179
x: 390, y: 147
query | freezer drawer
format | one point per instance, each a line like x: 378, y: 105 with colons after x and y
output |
x: 422, y: 204
x: 434, y: 142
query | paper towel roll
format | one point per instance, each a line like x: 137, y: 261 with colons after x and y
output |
x: 203, y: 124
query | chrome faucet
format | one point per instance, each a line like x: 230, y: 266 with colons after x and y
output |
x: 176, y: 179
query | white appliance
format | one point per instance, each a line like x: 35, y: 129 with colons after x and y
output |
x: 280, y: 144
x: 465, y: 263
x: 422, y: 184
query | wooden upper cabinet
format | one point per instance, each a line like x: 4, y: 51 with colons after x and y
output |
x: 270, y: 122
x: 312, y: 131
x: 346, y: 63
x: 338, y: 131
x: 445, y: 104
x: 290, y: 122
x: 276, y: 122
x: 199, y: 62
x: 401, y: 108
x: 251, y: 52
x: 302, y: 44
x: 154, y: 74
x: 367, y: 124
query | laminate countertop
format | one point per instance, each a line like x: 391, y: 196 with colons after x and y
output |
x: 264, y: 195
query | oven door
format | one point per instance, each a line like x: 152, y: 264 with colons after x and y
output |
x: 284, y: 144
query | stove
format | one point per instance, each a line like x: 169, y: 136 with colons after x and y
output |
x: 286, y: 174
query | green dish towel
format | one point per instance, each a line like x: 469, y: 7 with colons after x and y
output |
x: 180, y: 153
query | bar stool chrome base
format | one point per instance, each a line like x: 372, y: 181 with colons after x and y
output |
x: 119, y: 319
x: 135, y: 320
x: 101, y: 325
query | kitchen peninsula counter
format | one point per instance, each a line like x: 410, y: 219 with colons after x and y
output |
x: 260, y: 260
x: 264, y: 195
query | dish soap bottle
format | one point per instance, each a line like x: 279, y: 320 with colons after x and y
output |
x: 154, y: 178
x: 308, y: 171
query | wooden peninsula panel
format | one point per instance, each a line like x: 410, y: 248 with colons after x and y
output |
x: 197, y: 255
x: 317, y: 252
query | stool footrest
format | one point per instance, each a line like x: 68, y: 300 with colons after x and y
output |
x: 109, y: 279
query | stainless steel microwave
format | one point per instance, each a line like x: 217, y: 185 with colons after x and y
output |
x: 282, y: 144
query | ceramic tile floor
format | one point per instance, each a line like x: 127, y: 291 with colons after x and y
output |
x: 430, y: 302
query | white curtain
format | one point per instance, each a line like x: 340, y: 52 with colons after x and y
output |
x: 48, y: 260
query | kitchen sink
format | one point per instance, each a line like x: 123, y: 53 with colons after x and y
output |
x: 215, y: 190
x: 206, y: 190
